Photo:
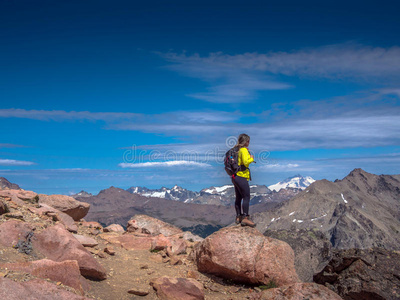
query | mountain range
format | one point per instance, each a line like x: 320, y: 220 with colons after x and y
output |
x: 225, y: 195
x: 360, y: 211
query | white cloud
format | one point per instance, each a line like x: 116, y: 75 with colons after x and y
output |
x: 12, y: 162
x: 239, y: 78
x: 276, y: 167
x: 174, y: 163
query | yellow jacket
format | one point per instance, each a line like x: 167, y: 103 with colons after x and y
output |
x: 244, y: 159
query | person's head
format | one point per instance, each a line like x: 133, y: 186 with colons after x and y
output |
x: 243, y: 140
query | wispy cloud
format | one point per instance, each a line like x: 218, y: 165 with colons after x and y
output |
x: 5, y: 145
x: 12, y: 162
x: 163, y: 164
x: 239, y: 78
x: 61, y: 115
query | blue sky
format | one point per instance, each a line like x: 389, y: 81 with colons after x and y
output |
x: 126, y: 93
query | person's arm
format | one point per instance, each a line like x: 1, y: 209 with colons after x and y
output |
x: 247, y: 159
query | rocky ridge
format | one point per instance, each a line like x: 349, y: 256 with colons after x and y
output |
x: 360, y: 211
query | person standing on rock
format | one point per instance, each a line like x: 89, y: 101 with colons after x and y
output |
x: 240, y: 181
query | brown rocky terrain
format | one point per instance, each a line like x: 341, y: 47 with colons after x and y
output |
x: 41, y: 259
x: 363, y: 274
x: 360, y: 211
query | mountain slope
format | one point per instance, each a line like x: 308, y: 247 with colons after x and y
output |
x: 5, y: 184
x: 360, y: 211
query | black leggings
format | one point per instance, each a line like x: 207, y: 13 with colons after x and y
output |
x: 242, y: 191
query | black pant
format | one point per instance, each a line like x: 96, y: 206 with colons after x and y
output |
x: 242, y: 191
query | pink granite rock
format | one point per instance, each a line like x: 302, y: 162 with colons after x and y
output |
x: 169, y: 288
x: 146, y: 224
x: 243, y: 254
x: 114, y: 228
x: 12, y: 231
x: 66, y: 272
x: 85, y: 240
x: 59, y: 245
x: 74, y: 208
x: 35, y: 289
x: 57, y: 215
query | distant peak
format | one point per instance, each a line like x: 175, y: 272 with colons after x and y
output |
x: 358, y: 171
x: 297, y: 181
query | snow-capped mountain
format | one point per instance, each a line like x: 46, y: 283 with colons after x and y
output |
x: 176, y: 193
x: 225, y: 195
x: 297, y: 181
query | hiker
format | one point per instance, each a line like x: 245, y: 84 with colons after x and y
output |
x: 241, y: 181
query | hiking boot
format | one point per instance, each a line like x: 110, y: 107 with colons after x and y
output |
x: 239, y: 219
x: 247, y: 222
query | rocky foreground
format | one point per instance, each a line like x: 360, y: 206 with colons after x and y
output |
x: 48, y: 251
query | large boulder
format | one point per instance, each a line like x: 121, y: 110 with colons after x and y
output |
x: 363, y: 274
x: 312, y: 250
x: 146, y: 224
x: 243, y: 254
x: 66, y: 272
x: 74, y: 208
x: 14, y: 231
x: 59, y: 245
x: 169, y: 288
x: 297, y: 291
x: 35, y: 289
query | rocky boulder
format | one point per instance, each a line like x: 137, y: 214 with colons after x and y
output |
x: 146, y: 224
x: 74, y: 208
x: 14, y: 231
x: 57, y: 244
x: 66, y: 272
x: 19, y: 197
x: 114, y: 228
x: 85, y: 240
x: 169, y: 288
x: 363, y: 274
x: 35, y: 289
x: 309, y: 291
x: 57, y: 215
x: 312, y: 250
x: 244, y: 255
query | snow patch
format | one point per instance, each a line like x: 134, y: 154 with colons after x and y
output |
x: 345, y: 201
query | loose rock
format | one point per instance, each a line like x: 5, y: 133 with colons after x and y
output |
x: 178, y: 288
